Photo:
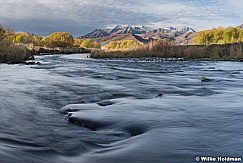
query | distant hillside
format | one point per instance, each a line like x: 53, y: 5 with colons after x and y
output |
x: 185, y: 39
x: 141, y: 34
x: 119, y: 37
x: 98, y: 33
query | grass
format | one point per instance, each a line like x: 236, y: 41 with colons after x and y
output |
x: 10, y: 53
x: 163, y: 50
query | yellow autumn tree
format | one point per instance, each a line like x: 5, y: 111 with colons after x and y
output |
x: 219, y: 36
x: 89, y: 43
x: 59, y: 39
x: 125, y: 44
x: 23, y: 37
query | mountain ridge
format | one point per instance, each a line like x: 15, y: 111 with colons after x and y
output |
x: 143, y: 31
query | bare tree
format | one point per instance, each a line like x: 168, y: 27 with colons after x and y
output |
x: 4, y: 32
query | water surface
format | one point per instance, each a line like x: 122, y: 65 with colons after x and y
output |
x: 73, y: 109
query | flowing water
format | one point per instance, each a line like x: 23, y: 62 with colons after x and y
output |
x: 73, y: 109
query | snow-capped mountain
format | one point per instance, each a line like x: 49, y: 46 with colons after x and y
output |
x: 141, y: 30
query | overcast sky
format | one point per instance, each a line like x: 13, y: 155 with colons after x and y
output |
x: 81, y: 16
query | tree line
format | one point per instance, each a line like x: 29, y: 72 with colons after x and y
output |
x: 219, y: 35
x: 56, y: 39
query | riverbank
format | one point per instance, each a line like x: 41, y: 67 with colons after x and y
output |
x: 190, y: 52
x: 20, y: 53
x: 39, y: 50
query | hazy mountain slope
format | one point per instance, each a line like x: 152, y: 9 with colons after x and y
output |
x: 96, y: 34
x: 119, y: 37
x: 185, y: 39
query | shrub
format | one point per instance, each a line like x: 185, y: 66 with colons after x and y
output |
x: 77, y: 42
x: 11, y: 53
x: 89, y: 43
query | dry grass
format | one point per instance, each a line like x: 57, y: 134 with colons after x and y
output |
x: 164, y: 50
x: 12, y: 54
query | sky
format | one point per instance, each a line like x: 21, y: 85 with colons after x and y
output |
x: 79, y: 17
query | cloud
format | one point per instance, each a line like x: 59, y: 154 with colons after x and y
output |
x: 81, y: 16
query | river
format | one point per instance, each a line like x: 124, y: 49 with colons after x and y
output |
x: 73, y: 109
